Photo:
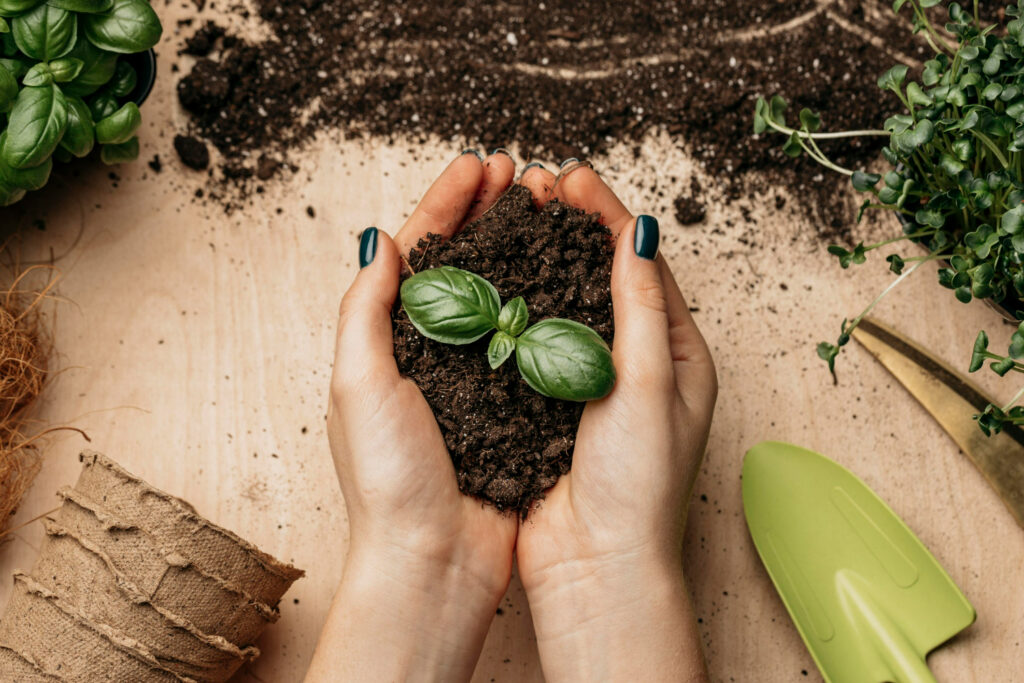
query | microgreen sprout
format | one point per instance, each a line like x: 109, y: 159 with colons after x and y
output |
x: 956, y: 173
x: 559, y: 358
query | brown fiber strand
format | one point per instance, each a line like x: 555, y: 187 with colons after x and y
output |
x: 24, y: 351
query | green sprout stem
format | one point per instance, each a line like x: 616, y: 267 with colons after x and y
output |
x: 892, y: 285
x: 1013, y: 402
x: 937, y: 42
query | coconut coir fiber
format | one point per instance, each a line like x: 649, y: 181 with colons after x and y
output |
x: 509, y: 443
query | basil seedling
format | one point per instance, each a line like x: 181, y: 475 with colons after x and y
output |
x: 558, y: 358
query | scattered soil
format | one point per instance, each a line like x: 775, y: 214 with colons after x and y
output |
x: 491, y: 75
x: 689, y: 209
x: 509, y: 443
x: 192, y: 151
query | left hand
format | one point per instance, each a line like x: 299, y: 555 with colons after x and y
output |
x: 426, y: 565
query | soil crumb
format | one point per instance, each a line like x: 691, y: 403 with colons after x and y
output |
x: 192, y: 152
x: 508, y: 443
x: 570, y: 79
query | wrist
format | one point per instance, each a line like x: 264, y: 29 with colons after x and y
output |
x: 421, y: 618
x: 620, y: 619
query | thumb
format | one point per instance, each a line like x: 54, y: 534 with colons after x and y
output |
x: 365, y: 343
x: 641, y: 346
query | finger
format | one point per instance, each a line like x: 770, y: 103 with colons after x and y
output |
x: 498, y: 172
x: 695, y: 373
x: 365, y: 347
x: 444, y: 207
x: 580, y: 186
x: 539, y: 181
x: 640, y: 348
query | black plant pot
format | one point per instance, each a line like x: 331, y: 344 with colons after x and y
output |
x: 144, y: 64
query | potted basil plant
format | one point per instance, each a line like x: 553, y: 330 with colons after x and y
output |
x: 72, y: 74
x: 955, y: 177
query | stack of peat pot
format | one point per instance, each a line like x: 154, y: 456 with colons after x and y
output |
x: 133, y: 585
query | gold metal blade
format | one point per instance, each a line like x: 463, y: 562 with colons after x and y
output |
x: 952, y: 401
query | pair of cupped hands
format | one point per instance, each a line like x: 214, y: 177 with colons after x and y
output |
x: 600, y: 558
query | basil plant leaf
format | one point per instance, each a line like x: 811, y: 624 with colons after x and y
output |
x: 450, y: 305
x: 12, y: 8
x: 38, y: 75
x: 120, y: 126
x: 98, y: 68
x: 80, y: 137
x: 9, y: 194
x: 83, y: 6
x: 4, y: 26
x: 124, y: 81
x: 26, y: 179
x: 35, y: 127
x: 121, y: 153
x: 501, y: 347
x: 46, y: 33
x: 8, y: 88
x: 566, y: 360
x: 129, y: 26
x: 513, y: 317
x: 66, y: 69
x: 102, y: 106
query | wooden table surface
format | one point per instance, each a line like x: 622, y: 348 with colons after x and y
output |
x: 196, y: 349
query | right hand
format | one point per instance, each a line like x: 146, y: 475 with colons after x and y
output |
x: 601, y: 556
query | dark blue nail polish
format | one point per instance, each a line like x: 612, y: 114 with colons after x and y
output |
x: 532, y: 164
x: 570, y: 160
x: 470, y: 150
x: 646, y: 236
x: 501, y: 150
x: 367, y: 247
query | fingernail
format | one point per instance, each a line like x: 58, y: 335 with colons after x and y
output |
x: 368, y: 247
x: 501, y: 150
x: 470, y: 150
x: 532, y: 164
x: 570, y: 160
x: 645, y: 237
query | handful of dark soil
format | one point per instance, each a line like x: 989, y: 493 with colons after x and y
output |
x: 508, y: 443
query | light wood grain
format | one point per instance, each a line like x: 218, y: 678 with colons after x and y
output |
x: 198, y: 348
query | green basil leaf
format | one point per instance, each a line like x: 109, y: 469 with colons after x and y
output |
x: 82, y: 6
x: 501, y: 347
x: 102, y: 106
x: 4, y: 26
x: 513, y: 317
x: 18, y: 66
x: 450, y: 305
x: 98, y: 68
x: 80, y: 136
x: 120, y: 126
x: 27, y: 178
x: 129, y: 26
x: 124, y: 81
x: 35, y: 127
x: 12, y: 8
x: 8, y: 194
x: 121, y: 153
x: 38, y: 75
x: 65, y: 69
x: 8, y: 88
x: 46, y: 33
x: 566, y: 360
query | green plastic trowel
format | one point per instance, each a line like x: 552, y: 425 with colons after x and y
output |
x: 868, y: 598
